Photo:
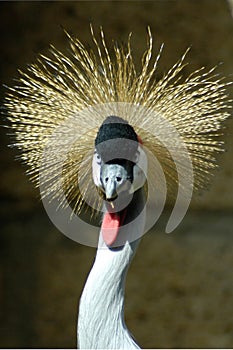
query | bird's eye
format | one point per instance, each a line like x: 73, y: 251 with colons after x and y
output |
x: 118, y: 178
x: 106, y: 179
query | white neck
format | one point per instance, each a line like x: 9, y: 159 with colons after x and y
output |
x: 101, y: 312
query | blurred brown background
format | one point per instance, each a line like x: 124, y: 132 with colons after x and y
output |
x: 180, y: 286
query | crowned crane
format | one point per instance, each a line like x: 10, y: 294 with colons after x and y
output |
x: 78, y: 107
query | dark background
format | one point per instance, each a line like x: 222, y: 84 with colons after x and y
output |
x: 180, y: 286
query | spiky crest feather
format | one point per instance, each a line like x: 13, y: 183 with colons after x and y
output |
x: 56, y: 89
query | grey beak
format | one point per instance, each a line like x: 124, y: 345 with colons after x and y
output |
x: 113, y: 178
x: 110, y: 189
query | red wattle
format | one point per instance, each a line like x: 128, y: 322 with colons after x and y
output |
x: 110, y: 227
x: 139, y: 139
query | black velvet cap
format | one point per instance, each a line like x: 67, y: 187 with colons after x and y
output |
x: 121, y: 135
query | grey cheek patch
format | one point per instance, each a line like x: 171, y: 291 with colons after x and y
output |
x: 139, y: 170
x: 96, y: 169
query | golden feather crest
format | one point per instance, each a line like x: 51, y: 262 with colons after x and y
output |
x: 56, y: 106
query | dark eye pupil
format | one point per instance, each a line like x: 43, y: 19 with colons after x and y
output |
x: 106, y: 179
x: 118, y: 179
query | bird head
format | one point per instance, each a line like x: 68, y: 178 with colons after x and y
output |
x: 119, y: 162
x: 119, y: 169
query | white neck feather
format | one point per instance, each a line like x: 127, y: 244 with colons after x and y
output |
x: 101, y: 322
x: 101, y: 313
